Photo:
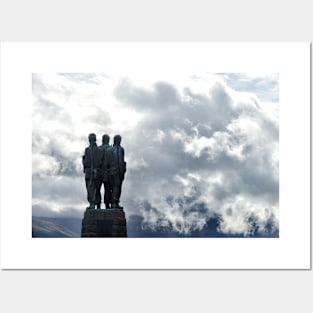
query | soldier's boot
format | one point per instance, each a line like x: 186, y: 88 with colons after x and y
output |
x: 98, y: 206
x: 116, y: 206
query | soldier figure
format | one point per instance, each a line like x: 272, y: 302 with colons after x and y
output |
x: 116, y: 170
x: 104, y: 173
x: 92, y: 162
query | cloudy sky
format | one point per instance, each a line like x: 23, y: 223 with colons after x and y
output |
x: 199, y: 147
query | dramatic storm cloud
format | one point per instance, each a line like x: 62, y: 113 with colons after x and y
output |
x: 198, y: 148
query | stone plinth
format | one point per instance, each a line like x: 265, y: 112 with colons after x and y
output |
x: 104, y: 223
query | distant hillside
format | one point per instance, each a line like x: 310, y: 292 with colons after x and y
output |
x: 48, y: 227
x: 137, y: 228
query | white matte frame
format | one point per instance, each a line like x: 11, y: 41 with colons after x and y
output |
x: 290, y: 251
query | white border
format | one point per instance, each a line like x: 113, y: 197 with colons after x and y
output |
x: 290, y: 251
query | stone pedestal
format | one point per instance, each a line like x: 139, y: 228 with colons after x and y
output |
x: 104, y: 223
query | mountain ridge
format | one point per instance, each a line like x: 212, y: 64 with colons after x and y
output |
x: 68, y: 227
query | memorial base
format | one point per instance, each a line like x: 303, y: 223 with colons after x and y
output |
x: 104, y: 223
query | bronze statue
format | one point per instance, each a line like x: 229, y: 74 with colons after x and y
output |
x: 92, y: 163
x: 116, y: 167
x: 104, y: 171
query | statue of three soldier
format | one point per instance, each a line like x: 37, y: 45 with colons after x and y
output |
x: 104, y: 165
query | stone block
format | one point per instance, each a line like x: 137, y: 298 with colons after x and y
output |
x: 104, y: 223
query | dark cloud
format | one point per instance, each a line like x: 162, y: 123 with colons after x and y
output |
x: 165, y: 108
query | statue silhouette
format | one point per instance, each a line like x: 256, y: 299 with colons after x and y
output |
x: 92, y: 163
x: 116, y: 167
